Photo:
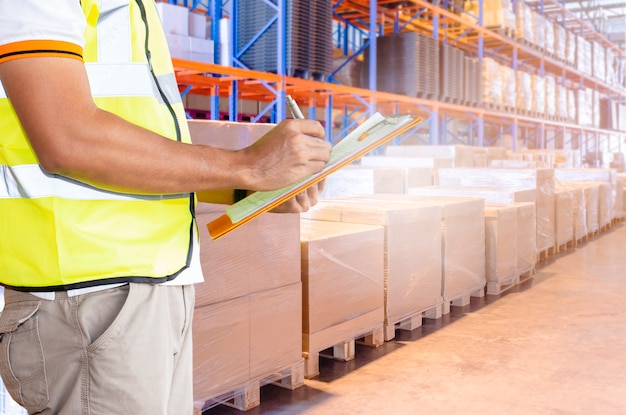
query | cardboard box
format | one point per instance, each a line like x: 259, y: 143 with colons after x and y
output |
x: 342, y: 273
x: 221, y: 348
x: 356, y: 180
x: 412, y: 249
x: 175, y: 19
x: 500, y: 246
x: 262, y: 255
x: 526, y: 234
x: 543, y: 180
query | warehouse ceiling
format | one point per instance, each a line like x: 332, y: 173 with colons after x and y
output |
x: 607, y: 16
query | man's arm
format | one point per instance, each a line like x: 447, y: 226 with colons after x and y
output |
x: 72, y: 137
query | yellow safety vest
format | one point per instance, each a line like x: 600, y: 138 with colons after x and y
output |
x: 57, y: 233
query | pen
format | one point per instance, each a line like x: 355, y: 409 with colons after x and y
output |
x: 293, y: 107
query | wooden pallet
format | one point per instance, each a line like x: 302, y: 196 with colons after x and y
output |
x: 498, y: 287
x: 461, y: 300
x: 524, y: 276
x: 504, y: 31
x: 564, y: 246
x: 340, y: 339
x: 248, y: 396
x: 412, y: 321
x: 343, y: 351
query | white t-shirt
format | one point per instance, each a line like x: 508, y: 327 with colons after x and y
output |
x: 38, y: 28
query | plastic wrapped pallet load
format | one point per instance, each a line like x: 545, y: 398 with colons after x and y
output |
x: 524, y: 202
x: 462, y: 244
x: 579, y: 210
x: 357, y: 180
x: 250, y: 302
x: 247, y: 329
x: 540, y: 179
x: 342, y: 285
x: 609, y: 176
x: 421, y: 171
x: 500, y: 247
x: 412, y: 279
x: 564, y: 199
x: 524, y: 91
x: 461, y: 155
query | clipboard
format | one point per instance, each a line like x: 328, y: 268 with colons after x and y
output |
x: 374, y: 132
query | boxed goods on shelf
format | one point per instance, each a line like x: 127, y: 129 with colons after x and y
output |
x: 524, y: 91
x: 585, y: 106
x: 539, y: 95
x: 540, y: 179
x: 583, y: 55
x: 550, y: 37
x: 342, y: 284
x: 598, y: 61
x: 509, y: 86
x: 560, y: 41
x: 498, y: 14
x: 561, y: 101
x: 570, y: 50
x: 492, y: 83
x: 572, y: 113
x: 525, y: 30
x: 550, y: 103
x: 539, y: 30
x: 412, y: 278
x: 175, y: 19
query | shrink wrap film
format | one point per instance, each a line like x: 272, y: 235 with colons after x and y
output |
x: 412, y: 274
x: 605, y: 204
x: 246, y: 342
x: 592, y: 203
x: 540, y: 179
x: 500, y: 245
x: 357, y: 180
x: 421, y: 171
x: 595, y: 108
x: 550, y: 96
x: 572, y: 113
x: 492, y: 82
x: 221, y: 350
x: 262, y: 255
x: 608, y: 197
x: 539, y: 94
x: 560, y: 41
x: 524, y: 22
x: 539, y: 30
x: 549, y: 36
x: 611, y: 74
x: 583, y: 55
x: 460, y: 155
x: 585, y: 107
x: 491, y: 194
x: 618, y: 207
x: 561, y: 100
x: 599, y: 61
x: 564, y: 199
x: 579, y: 210
x: 509, y: 86
x: 275, y: 331
x: 462, y: 245
x: 524, y: 91
x: 526, y: 237
x: 570, y: 50
x: 342, y: 282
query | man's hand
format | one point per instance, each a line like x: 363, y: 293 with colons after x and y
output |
x: 303, y: 201
x: 289, y: 152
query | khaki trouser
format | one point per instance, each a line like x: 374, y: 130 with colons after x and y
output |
x: 124, y: 350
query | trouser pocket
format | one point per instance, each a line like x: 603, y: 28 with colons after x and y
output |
x: 21, y: 355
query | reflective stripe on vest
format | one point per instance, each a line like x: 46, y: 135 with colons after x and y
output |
x: 59, y: 233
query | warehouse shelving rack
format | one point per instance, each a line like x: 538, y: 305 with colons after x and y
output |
x: 359, y: 24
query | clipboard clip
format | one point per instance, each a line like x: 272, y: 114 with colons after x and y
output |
x: 391, y: 120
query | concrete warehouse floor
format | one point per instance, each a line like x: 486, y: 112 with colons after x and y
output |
x: 554, y: 345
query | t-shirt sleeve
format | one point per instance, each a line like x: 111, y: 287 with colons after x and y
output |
x: 35, y: 28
